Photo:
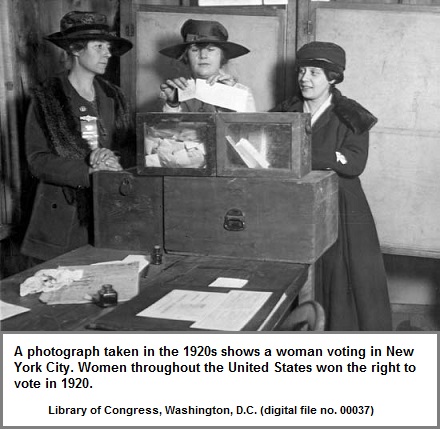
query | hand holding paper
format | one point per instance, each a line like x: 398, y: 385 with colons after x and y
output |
x: 169, y: 89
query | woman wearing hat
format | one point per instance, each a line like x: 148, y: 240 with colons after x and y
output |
x: 76, y: 124
x: 354, y: 289
x: 205, y: 49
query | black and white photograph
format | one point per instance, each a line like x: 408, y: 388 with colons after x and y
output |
x: 222, y: 169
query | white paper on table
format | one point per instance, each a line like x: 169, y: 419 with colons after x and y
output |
x: 235, y: 311
x: 184, y: 305
x: 228, y: 282
x: 142, y: 259
x: 281, y: 300
x: 8, y: 310
x: 218, y: 94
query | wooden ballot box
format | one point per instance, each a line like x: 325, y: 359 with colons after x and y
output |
x: 127, y: 210
x: 223, y: 184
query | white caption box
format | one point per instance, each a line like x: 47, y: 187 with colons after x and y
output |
x: 219, y: 379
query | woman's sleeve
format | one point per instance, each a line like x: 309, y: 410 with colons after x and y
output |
x: 349, y: 160
x: 48, y: 167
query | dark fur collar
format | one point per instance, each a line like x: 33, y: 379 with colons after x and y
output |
x: 57, y: 120
x: 352, y: 114
x: 60, y: 125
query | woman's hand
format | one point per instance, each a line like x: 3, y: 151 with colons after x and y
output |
x: 226, y: 79
x: 169, y: 88
x: 103, y: 159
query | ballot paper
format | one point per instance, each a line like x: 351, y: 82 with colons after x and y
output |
x: 218, y: 94
x: 276, y: 307
x: 209, y: 310
x: 184, y: 305
x: 234, y: 312
x: 8, y: 310
x: 247, y: 152
x: 141, y: 259
x: 228, y: 282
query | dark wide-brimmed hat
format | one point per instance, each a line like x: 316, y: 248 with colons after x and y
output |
x: 326, y: 55
x: 78, y: 25
x: 202, y: 32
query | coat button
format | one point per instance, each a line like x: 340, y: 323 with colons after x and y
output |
x: 82, y: 108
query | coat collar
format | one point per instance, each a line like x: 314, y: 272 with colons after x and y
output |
x: 352, y: 114
x: 323, y: 119
x: 296, y: 104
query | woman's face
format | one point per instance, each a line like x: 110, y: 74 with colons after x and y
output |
x: 94, y: 57
x: 204, y: 60
x: 313, y: 83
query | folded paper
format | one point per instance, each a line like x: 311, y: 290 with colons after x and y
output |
x: 218, y: 94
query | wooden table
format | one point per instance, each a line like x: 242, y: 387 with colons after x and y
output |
x: 176, y: 272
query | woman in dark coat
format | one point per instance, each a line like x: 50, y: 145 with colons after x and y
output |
x: 354, y: 289
x: 77, y: 124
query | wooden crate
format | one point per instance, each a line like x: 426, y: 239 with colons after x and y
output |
x: 128, y: 210
x: 252, y: 218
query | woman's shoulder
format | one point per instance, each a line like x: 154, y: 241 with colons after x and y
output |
x: 352, y: 114
x: 292, y: 104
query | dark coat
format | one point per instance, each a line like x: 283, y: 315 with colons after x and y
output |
x: 57, y: 157
x: 354, y: 289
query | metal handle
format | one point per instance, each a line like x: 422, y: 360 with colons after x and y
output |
x: 234, y: 220
x: 125, y: 187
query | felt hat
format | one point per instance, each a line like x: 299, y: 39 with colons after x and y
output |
x: 78, y: 25
x: 325, y: 55
x: 201, y: 32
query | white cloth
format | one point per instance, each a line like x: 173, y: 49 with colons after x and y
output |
x: 320, y: 111
x: 341, y: 158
